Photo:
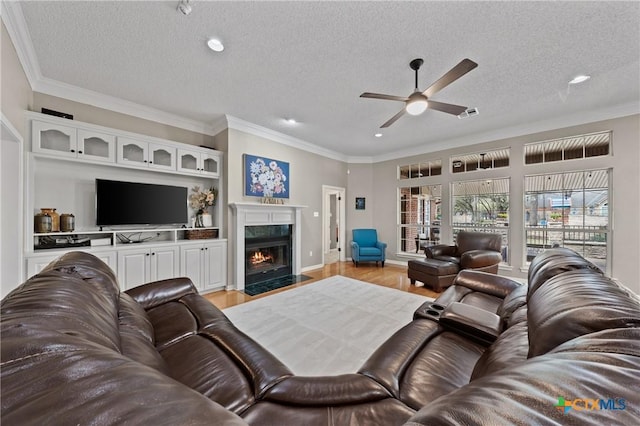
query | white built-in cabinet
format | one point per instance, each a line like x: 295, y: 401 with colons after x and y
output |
x: 142, y: 265
x: 136, y: 153
x: 205, y: 263
x: 67, y: 141
x: 202, y: 163
x: 63, y: 161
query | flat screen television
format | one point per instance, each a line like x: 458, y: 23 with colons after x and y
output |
x: 131, y: 203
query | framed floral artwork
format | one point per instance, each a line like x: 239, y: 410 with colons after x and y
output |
x: 264, y: 177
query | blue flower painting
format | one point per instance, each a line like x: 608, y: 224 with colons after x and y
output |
x: 264, y: 177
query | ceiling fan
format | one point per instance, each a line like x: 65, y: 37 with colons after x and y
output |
x: 418, y: 102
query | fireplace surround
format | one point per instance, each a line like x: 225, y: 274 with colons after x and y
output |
x: 246, y: 215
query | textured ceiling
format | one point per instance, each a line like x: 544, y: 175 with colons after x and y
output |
x: 311, y: 61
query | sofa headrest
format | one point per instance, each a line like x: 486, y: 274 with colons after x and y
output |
x: 76, y: 295
x: 554, y: 262
x: 88, y: 268
x: 574, y: 304
x: 466, y: 241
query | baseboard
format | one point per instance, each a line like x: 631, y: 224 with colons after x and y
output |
x: 312, y: 267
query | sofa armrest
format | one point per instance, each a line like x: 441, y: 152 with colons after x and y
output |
x: 473, y: 259
x: 485, y: 282
x: 472, y: 322
x: 159, y: 292
x: 440, y: 250
x: 326, y: 390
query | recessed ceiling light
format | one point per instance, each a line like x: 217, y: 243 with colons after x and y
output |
x: 215, y: 45
x: 290, y: 120
x: 580, y: 79
x: 378, y: 135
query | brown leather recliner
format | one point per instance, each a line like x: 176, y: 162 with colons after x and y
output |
x: 473, y: 250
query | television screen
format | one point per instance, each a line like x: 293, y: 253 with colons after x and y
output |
x: 129, y: 203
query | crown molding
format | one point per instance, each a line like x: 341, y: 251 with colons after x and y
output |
x: 576, y: 119
x: 257, y: 130
x: 16, y: 25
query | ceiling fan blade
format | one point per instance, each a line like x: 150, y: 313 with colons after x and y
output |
x: 393, y: 119
x: 448, y: 108
x: 452, y: 75
x: 385, y: 97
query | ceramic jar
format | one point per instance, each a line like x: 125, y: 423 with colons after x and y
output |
x: 55, y: 218
x: 67, y: 222
x: 42, y: 223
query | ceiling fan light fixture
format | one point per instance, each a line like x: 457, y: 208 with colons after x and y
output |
x: 417, y: 104
x: 215, y: 45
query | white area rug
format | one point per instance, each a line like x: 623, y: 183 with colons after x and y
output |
x: 328, y: 327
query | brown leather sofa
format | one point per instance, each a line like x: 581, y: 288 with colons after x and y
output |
x: 76, y: 350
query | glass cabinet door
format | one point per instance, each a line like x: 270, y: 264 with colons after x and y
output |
x: 96, y: 146
x: 162, y: 157
x: 132, y: 152
x: 210, y: 164
x: 54, y: 139
x: 188, y: 161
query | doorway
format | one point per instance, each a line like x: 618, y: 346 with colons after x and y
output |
x: 333, y: 221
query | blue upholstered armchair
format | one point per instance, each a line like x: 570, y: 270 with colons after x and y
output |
x: 366, y: 247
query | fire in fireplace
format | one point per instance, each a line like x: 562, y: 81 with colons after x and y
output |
x: 267, y: 252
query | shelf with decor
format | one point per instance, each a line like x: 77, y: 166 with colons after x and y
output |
x: 64, y: 165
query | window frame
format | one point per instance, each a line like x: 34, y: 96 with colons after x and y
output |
x: 504, y: 230
x: 411, y: 231
x: 563, y: 229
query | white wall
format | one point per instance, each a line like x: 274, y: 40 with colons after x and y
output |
x: 308, y: 172
x: 11, y: 208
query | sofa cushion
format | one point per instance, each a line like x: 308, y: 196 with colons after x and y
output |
x: 576, y: 303
x: 510, y: 348
x: 603, y: 365
x: 136, y: 334
x: 370, y: 251
x: 512, y: 302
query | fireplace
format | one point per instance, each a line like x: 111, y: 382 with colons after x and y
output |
x: 245, y: 216
x: 267, y: 252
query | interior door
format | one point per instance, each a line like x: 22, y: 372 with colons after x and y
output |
x: 333, y: 220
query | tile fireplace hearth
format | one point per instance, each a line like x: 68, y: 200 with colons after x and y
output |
x: 273, y: 258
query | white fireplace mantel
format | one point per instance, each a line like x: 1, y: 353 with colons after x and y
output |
x: 254, y: 214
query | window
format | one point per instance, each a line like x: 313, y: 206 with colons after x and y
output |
x: 419, y: 216
x: 482, y: 206
x: 583, y: 146
x: 480, y: 161
x: 568, y: 210
x: 427, y: 168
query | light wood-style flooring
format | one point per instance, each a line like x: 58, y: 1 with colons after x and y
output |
x: 392, y: 276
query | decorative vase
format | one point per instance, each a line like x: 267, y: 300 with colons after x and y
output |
x: 207, y: 220
x: 198, y: 223
x: 55, y: 218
